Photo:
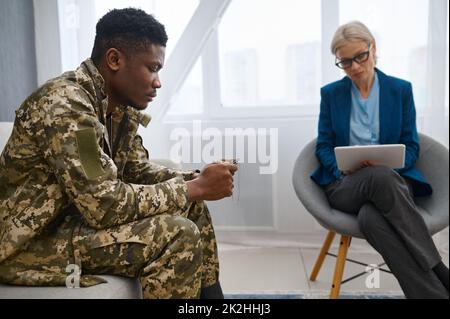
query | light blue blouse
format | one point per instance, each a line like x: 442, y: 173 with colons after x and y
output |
x: 365, y: 116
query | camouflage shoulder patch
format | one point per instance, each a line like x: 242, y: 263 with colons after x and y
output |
x: 89, y: 153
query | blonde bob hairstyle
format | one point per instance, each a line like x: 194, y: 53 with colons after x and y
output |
x: 353, y: 31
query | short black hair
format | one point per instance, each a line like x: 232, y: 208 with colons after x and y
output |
x: 127, y: 30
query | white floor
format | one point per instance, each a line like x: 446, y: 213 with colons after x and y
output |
x: 276, y: 266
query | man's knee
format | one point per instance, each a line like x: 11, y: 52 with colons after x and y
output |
x: 166, y: 231
x: 177, y: 227
x: 187, y: 229
x: 177, y: 238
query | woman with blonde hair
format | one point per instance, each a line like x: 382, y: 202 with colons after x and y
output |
x: 370, y: 107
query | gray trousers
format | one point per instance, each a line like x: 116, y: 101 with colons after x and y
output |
x: 391, y: 223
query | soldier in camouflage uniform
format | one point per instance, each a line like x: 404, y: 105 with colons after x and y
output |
x: 77, y: 187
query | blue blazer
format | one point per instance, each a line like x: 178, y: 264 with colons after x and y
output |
x: 397, y: 126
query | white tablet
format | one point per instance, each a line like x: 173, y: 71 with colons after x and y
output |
x: 350, y: 157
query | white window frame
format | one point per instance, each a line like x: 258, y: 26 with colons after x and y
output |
x: 200, y: 40
x: 329, y: 23
x: 214, y: 110
x: 188, y: 49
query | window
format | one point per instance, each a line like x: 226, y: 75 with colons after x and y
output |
x: 401, y: 47
x: 275, y: 59
x: 270, y: 57
x: 189, y: 99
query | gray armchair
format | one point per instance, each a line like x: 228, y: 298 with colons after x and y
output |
x: 433, y: 163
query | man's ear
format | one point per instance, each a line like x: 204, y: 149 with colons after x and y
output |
x: 114, y: 59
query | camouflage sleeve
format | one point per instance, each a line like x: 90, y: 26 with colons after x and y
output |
x: 139, y: 169
x: 71, y: 135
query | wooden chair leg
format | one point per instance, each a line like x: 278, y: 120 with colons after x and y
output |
x: 322, y: 254
x: 339, y: 270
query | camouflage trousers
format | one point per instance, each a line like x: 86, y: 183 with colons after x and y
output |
x: 174, y: 256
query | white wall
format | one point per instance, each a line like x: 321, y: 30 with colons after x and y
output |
x: 288, y: 214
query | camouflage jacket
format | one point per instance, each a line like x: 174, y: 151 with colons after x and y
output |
x: 59, y: 155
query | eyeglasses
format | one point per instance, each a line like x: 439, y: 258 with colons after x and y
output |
x: 347, y: 63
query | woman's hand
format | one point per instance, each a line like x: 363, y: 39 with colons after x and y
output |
x: 364, y: 164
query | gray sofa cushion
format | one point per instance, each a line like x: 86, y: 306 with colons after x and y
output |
x: 115, y: 288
